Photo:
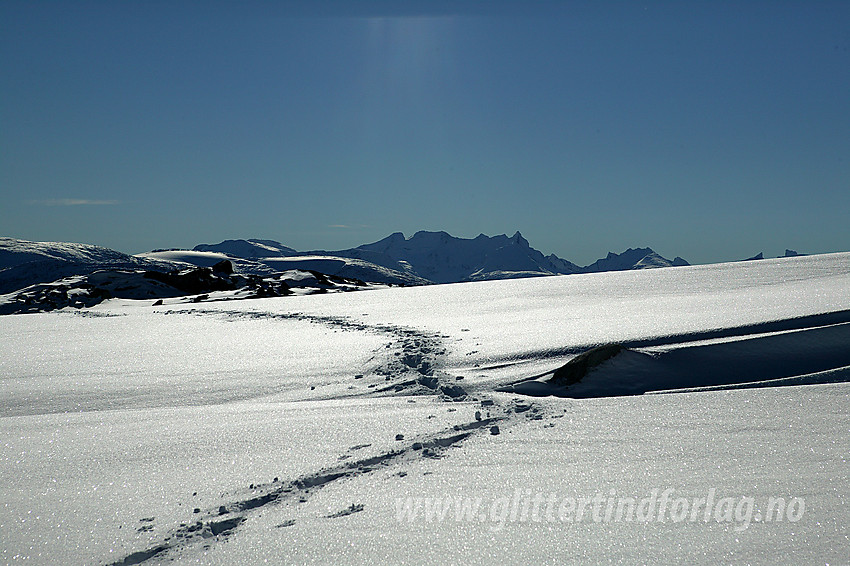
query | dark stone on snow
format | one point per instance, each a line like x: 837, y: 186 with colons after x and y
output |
x: 193, y: 281
x: 224, y: 266
x: 429, y: 382
x: 142, y: 556
x: 225, y: 526
x: 453, y: 391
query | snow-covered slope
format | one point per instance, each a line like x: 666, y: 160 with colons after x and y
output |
x: 24, y: 263
x: 313, y: 429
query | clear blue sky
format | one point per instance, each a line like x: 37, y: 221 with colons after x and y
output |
x: 709, y: 130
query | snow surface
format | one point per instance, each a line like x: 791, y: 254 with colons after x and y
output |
x: 120, y: 420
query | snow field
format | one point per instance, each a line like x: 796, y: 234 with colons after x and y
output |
x: 113, y: 417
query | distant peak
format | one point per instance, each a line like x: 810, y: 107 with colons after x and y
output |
x: 250, y: 248
x: 518, y: 239
x: 633, y: 258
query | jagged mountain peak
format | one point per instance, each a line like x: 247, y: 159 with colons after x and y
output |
x: 633, y: 258
x: 443, y: 258
x: 519, y: 240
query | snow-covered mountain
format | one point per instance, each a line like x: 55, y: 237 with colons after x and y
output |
x: 633, y: 258
x: 442, y: 258
x: 250, y: 248
x: 425, y: 257
x: 23, y: 263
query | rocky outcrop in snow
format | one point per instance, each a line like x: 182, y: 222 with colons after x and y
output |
x: 193, y: 285
x: 266, y: 265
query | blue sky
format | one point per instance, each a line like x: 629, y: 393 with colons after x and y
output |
x: 709, y: 130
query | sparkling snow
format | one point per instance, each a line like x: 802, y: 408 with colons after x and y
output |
x: 120, y: 420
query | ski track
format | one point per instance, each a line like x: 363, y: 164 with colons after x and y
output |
x: 413, y: 367
x: 213, y: 524
x: 412, y: 363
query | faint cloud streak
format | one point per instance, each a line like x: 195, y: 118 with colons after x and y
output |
x: 72, y: 202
